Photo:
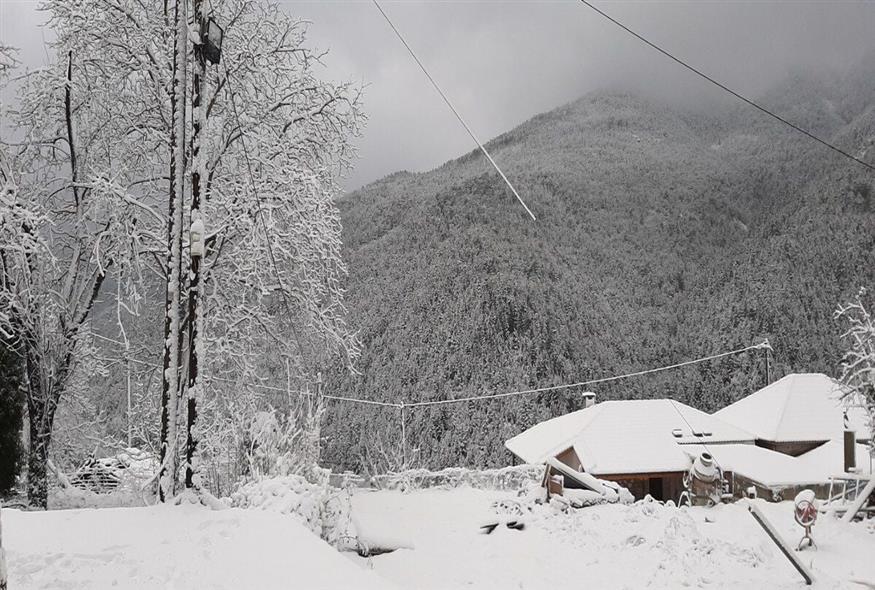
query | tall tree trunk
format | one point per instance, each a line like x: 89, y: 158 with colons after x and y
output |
x: 41, y: 405
x: 11, y: 415
x: 37, y: 465
x: 172, y: 338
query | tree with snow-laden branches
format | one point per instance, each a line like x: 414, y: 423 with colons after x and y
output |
x: 94, y: 132
x: 858, y: 364
x: 74, y: 181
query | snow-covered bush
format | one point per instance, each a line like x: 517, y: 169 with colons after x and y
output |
x: 282, y: 445
x: 245, y: 438
x: 506, y: 478
x: 321, y: 508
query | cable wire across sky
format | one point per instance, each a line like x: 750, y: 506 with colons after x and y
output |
x: 725, y: 88
x: 764, y: 345
x: 453, y: 108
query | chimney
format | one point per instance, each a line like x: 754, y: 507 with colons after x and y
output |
x: 588, y: 399
x: 850, y: 454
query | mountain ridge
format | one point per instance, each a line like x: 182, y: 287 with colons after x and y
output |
x: 663, y: 234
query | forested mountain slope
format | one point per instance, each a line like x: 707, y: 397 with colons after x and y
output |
x: 663, y: 234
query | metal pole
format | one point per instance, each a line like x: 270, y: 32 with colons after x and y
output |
x: 130, y: 418
x: 289, y: 387
x: 768, y: 366
x: 319, y: 407
x: 403, y: 439
x: 199, y: 120
x: 782, y: 545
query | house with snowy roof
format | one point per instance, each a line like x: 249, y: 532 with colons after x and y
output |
x: 636, y: 443
x: 799, y: 413
x: 778, y: 440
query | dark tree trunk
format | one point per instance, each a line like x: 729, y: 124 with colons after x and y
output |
x: 41, y: 406
x: 37, y: 463
x: 11, y: 416
x: 170, y: 388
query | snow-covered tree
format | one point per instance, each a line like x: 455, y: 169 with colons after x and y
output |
x: 93, y: 135
x: 76, y: 170
x: 858, y: 364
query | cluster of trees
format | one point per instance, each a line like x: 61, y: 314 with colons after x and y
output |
x: 663, y: 234
x: 93, y: 220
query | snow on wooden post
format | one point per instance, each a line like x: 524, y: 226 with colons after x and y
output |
x: 850, y: 448
x: 782, y: 545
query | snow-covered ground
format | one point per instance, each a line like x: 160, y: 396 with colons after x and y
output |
x: 172, y: 547
x: 609, y: 546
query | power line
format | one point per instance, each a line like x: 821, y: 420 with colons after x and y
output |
x: 762, y: 345
x: 452, y: 108
x: 729, y: 90
x: 591, y: 381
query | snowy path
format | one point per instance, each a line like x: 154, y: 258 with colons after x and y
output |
x: 644, y: 545
x: 169, y: 547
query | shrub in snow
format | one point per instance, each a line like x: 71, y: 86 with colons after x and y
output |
x: 506, y: 478
x: 321, y: 508
x: 246, y: 442
x: 281, y: 444
x: 292, y: 495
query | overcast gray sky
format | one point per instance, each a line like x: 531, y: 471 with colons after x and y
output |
x: 503, y: 61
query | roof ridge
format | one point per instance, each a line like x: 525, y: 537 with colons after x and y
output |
x: 786, y: 392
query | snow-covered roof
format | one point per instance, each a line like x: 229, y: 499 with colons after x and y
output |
x: 772, y: 468
x: 767, y: 467
x: 618, y: 437
x: 798, y: 407
x: 830, y: 458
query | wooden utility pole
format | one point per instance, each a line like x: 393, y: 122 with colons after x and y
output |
x: 207, y: 48
x: 199, y: 119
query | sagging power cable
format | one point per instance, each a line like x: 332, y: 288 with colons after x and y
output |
x: 725, y: 88
x: 453, y: 108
